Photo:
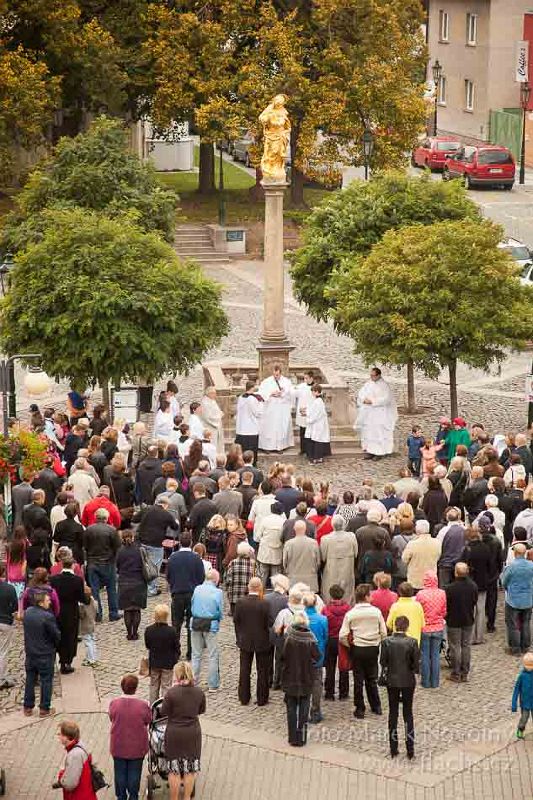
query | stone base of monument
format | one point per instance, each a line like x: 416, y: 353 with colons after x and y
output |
x: 229, y: 379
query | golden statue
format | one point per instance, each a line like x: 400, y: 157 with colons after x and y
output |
x: 276, y: 131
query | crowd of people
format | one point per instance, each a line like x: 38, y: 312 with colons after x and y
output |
x: 379, y: 582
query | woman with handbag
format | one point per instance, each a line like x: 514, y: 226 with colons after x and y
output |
x: 400, y: 659
x: 122, y: 490
x: 132, y: 584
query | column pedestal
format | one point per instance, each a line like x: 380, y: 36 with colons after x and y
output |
x: 274, y: 347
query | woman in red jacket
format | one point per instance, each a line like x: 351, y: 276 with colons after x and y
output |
x: 75, y: 776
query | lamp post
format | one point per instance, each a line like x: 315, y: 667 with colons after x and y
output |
x: 525, y: 91
x: 221, y: 198
x: 36, y: 383
x: 5, y: 268
x: 437, y: 73
x: 368, y: 148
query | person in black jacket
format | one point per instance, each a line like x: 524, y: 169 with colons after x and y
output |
x: 163, y: 652
x: 251, y: 620
x: 41, y: 639
x: 147, y: 472
x: 69, y: 532
x: 479, y: 558
x: 461, y: 603
x: 474, y: 495
x: 71, y: 592
x: 488, y: 535
x: 400, y: 659
x: 300, y: 653
x: 34, y: 515
x: 154, y: 522
x: 101, y: 543
x: 201, y: 512
x: 8, y: 609
x: 185, y: 571
x: 131, y: 584
x: 47, y: 480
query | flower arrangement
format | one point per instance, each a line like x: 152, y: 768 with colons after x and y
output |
x: 25, y: 451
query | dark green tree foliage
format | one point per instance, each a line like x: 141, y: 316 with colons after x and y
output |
x: 102, y: 300
x: 349, y: 223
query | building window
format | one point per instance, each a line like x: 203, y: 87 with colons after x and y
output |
x: 444, y: 26
x: 471, y: 29
x: 441, y: 91
x: 469, y: 95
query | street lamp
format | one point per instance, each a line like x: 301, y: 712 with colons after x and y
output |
x: 525, y: 91
x: 36, y: 383
x: 437, y: 73
x: 221, y: 197
x: 5, y: 268
x: 368, y: 148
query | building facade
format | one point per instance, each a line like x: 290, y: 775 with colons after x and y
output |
x: 476, y: 42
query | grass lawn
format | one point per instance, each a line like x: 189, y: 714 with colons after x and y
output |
x: 240, y: 207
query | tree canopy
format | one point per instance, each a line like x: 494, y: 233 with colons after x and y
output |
x: 102, y: 300
x: 435, y: 295
x: 94, y: 170
x: 349, y: 223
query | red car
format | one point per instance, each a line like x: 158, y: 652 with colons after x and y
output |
x: 487, y: 165
x: 432, y: 152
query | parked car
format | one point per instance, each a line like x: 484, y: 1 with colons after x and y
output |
x: 486, y: 165
x: 433, y: 151
x: 241, y: 148
x: 517, y: 250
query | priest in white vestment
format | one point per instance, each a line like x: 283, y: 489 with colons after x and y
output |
x: 377, y: 416
x: 304, y: 397
x: 248, y: 419
x: 196, y: 422
x: 212, y: 416
x: 275, y: 431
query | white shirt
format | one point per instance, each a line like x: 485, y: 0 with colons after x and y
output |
x: 196, y: 427
x: 248, y: 415
x: 163, y: 425
x: 304, y: 396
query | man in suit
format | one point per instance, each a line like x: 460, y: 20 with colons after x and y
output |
x: 21, y: 495
x: 185, y: 571
x: 47, y: 480
x: 251, y: 620
x: 70, y: 591
x: 34, y: 515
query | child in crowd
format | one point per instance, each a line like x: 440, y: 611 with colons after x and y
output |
x: 87, y: 626
x: 415, y: 441
x: 334, y: 611
x: 429, y: 456
x: 523, y: 692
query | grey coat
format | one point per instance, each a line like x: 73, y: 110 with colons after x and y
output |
x: 301, y: 561
x: 338, y: 551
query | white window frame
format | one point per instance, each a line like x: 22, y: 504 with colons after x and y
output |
x: 471, y: 29
x: 441, y: 91
x: 444, y: 26
x: 470, y: 94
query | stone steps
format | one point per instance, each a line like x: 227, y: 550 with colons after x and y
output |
x: 194, y: 242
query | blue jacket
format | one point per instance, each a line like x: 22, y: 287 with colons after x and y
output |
x: 414, y: 443
x: 517, y: 580
x: 208, y: 602
x: 185, y: 572
x: 523, y: 691
x: 318, y: 625
x: 41, y: 634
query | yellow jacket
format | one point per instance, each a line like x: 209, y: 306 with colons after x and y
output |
x: 407, y: 607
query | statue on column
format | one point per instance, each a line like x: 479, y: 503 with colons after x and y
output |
x: 276, y: 131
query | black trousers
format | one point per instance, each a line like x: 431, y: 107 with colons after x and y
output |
x: 181, y: 612
x: 302, y: 440
x: 332, y: 651
x: 405, y: 697
x: 274, y: 666
x: 491, y: 601
x: 365, y: 675
x: 297, y: 716
x: 262, y: 665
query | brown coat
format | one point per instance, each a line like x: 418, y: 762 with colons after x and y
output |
x: 251, y: 624
x: 232, y: 541
x: 183, y: 736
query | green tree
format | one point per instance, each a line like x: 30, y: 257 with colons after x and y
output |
x: 94, y: 170
x: 435, y: 295
x: 101, y: 300
x: 349, y: 223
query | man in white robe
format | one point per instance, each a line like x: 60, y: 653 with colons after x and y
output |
x: 275, y: 432
x: 248, y: 419
x: 196, y: 422
x: 377, y: 416
x: 304, y: 397
x: 212, y: 416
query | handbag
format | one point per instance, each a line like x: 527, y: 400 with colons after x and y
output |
x: 201, y: 624
x: 144, y: 667
x: 149, y: 569
x: 98, y: 779
x: 383, y: 679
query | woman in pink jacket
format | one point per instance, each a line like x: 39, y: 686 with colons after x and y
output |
x: 433, y: 601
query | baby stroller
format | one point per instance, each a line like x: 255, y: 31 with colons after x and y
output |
x: 157, y: 763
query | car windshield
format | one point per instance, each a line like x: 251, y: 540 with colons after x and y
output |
x: 448, y: 146
x: 519, y: 253
x: 494, y: 157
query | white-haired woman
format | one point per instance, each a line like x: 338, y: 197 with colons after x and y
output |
x: 182, y: 705
x: 239, y: 573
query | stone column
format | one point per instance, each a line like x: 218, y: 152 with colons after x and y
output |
x: 274, y: 347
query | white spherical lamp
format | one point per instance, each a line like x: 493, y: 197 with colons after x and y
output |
x: 36, y: 382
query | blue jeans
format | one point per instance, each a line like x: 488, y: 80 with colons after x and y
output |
x: 200, y: 640
x: 430, y: 659
x: 89, y: 641
x: 100, y: 576
x: 128, y: 777
x: 156, y: 556
x: 44, y: 668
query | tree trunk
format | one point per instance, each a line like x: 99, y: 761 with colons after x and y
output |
x: 452, y: 371
x: 206, y: 176
x: 411, y: 399
x: 297, y: 187
x: 106, y: 399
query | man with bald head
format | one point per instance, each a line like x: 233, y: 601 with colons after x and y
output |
x: 252, y: 630
x: 301, y: 558
x: 517, y: 580
x: 461, y: 600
